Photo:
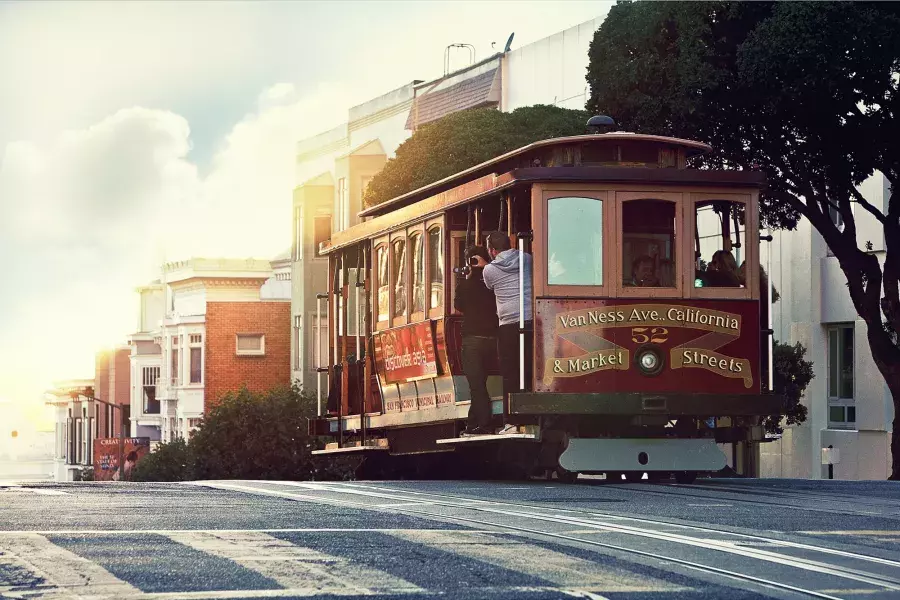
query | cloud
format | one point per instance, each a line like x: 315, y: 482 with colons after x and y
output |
x: 92, y: 213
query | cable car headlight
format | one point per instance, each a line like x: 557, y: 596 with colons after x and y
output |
x: 649, y: 360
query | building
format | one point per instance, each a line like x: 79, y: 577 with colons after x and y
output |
x: 850, y: 407
x: 146, y: 363
x: 335, y: 166
x: 208, y: 327
x: 76, y: 420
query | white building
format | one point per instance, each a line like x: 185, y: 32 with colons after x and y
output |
x: 850, y: 407
x: 76, y: 428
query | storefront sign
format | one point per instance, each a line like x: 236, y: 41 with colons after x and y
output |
x: 106, y: 457
x: 406, y: 353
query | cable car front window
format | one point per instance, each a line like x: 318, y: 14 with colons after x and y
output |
x: 648, y: 243
x: 720, y: 231
x: 575, y: 241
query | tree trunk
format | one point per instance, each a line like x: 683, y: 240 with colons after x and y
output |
x: 885, y: 356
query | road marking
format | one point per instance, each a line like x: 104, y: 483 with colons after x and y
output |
x: 31, y: 490
x: 73, y: 576
x: 294, y: 566
x: 517, y: 554
x: 493, y: 507
x: 166, y: 532
x: 855, y: 532
x: 711, y: 505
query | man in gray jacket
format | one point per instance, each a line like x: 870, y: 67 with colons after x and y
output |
x: 502, y: 276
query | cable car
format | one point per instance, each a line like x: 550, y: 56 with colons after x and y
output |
x: 648, y: 348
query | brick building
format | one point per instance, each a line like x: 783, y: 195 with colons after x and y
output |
x: 247, y: 344
x: 209, y: 326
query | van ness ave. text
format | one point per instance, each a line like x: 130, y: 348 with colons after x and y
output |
x: 682, y: 316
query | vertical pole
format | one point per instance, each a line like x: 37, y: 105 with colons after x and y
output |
x: 521, y: 314
x: 357, y: 315
x: 121, y: 442
x: 769, y: 300
x: 318, y: 354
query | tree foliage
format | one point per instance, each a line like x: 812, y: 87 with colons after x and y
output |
x: 247, y: 435
x: 792, y: 374
x: 464, y: 139
x: 168, y: 462
x: 807, y: 92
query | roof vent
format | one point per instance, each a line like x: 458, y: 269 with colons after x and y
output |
x: 602, y: 123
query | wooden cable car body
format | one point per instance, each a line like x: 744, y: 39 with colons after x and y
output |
x: 597, y: 213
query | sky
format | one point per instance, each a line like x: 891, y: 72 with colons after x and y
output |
x: 136, y: 133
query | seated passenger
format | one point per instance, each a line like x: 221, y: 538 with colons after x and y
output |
x: 643, y: 272
x: 722, y: 271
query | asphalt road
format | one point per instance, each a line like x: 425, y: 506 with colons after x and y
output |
x: 730, y: 539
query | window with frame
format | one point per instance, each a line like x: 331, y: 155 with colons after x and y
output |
x: 398, y: 276
x: 574, y: 241
x: 250, y: 344
x: 318, y: 341
x: 648, y: 243
x: 196, y: 365
x: 174, y: 374
x: 298, y: 342
x: 322, y: 232
x: 149, y: 377
x: 718, y: 243
x: 417, y: 254
x: 384, y: 283
x: 841, y: 402
x: 436, y: 267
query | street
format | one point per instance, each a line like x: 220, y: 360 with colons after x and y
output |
x: 252, y: 539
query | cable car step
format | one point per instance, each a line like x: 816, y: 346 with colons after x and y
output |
x: 379, y: 445
x: 492, y: 437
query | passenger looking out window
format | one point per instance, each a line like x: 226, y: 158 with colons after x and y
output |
x: 648, y: 243
x: 720, y: 229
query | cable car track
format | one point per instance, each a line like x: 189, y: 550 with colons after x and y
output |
x: 405, y: 502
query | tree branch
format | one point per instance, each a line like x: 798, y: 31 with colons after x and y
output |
x: 868, y: 206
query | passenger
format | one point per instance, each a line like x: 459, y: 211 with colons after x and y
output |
x: 643, y: 272
x: 479, y: 337
x: 502, y: 276
x: 722, y: 271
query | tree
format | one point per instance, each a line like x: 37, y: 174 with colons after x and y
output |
x: 792, y: 374
x: 808, y: 92
x: 255, y: 436
x: 168, y: 462
x: 464, y: 139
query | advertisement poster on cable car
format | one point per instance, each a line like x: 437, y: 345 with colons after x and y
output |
x: 406, y: 353
x: 106, y: 457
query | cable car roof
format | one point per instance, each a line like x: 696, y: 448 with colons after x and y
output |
x: 690, y: 148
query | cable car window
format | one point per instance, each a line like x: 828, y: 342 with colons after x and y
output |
x: 384, y: 279
x: 648, y: 243
x: 575, y: 241
x: 436, y: 266
x: 417, y: 253
x: 720, y: 231
x: 398, y: 262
